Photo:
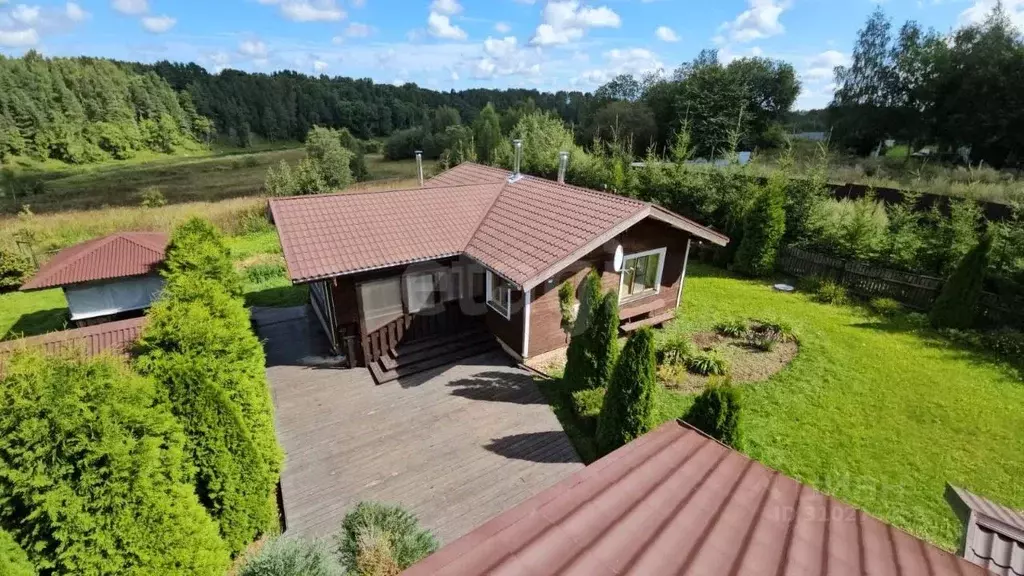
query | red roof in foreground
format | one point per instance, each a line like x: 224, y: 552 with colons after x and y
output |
x: 676, y: 502
x: 114, y: 337
x: 115, y: 256
x: 523, y: 230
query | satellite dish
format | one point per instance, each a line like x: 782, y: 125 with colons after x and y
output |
x: 619, y: 257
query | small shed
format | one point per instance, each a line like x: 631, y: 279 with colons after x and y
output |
x: 107, y: 278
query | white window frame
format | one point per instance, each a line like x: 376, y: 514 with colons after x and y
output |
x: 407, y: 285
x: 507, y: 314
x: 661, y: 252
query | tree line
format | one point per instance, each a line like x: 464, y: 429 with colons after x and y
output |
x: 961, y: 91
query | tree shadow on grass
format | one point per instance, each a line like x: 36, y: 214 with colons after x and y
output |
x: 544, y: 447
x: 499, y: 386
x: 38, y: 322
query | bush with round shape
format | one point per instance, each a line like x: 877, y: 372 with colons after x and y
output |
x: 717, y: 412
x: 831, y: 292
x: 14, y: 269
x: 783, y: 329
x: 675, y: 350
x: 885, y: 307
x: 292, y: 557
x: 198, y: 248
x: 629, y: 402
x: 737, y: 328
x: 765, y: 341
x: 957, y: 304
x: 13, y: 560
x: 373, y: 522
x: 708, y: 363
x: 94, y: 478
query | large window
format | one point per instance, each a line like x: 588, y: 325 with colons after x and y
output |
x: 641, y: 274
x: 499, y: 294
x: 382, y: 302
x: 427, y: 290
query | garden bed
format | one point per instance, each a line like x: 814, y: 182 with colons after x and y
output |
x: 747, y: 364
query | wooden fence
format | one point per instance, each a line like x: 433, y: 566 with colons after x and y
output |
x: 913, y: 290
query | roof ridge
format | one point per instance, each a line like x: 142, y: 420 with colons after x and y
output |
x: 368, y: 192
x: 609, y: 195
x: 128, y: 237
x: 100, y: 242
x: 483, y: 218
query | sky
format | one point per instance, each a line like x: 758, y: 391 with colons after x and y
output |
x: 456, y: 44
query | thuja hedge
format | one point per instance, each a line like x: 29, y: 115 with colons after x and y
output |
x: 198, y: 345
x: 198, y: 248
x: 629, y: 402
x: 94, y: 475
x: 13, y: 560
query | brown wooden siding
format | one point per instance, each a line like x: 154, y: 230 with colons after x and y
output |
x: 510, y: 330
x: 545, y: 316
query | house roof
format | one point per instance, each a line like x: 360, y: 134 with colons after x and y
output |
x: 524, y: 230
x: 115, y: 256
x: 676, y: 502
x: 993, y: 533
x: 115, y: 337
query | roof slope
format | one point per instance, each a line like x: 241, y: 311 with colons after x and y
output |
x: 115, y: 337
x: 993, y: 533
x: 676, y: 502
x: 522, y: 230
x: 115, y: 256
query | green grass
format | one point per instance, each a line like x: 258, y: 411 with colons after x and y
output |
x: 32, y: 313
x: 872, y: 412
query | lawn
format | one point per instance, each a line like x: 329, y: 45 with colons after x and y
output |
x: 872, y: 412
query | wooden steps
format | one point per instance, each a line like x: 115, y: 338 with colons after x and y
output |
x: 652, y: 321
x: 430, y: 353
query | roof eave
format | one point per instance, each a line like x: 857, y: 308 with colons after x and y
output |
x: 676, y: 221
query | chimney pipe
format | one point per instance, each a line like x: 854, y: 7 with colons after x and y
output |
x: 419, y: 166
x: 563, y: 163
x: 518, y: 145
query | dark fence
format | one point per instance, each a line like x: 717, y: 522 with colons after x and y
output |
x: 913, y: 290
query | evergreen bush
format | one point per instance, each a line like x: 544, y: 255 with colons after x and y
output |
x: 831, y: 292
x: 372, y: 528
x: 763, y: 229
x: 13, y: 560
x: 198, y: 248
x: 604, y: 343
x: 957, y: 304
x: 14, y: 269
x: 567, y: 306
x: 629, y: 402
x: 885, y: 307
x: 292, y: 557
x: 199, y: 346
x: 94, y: 478
x: 581, y: 368
x: 717, y: 412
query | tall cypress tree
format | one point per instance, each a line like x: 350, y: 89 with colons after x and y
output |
x: 957, y: 304
x: 581, y: 366
x: 604, y: 341
x: 629, y: 401
x: 763, y: 228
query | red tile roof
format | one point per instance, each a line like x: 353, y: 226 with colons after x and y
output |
x: 115, y: 256
x: 676, y: 502
x: 115, y: 337
x: 524, y: 230
x: 993, y: 533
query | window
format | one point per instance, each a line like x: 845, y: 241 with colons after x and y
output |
x: 499, y: 294
x: 381, y: 302
x: 641, y: 274
x: 453, y: 284
x: 421, y: 291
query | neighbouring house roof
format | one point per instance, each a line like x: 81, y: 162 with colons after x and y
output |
x: 114, y: 337
x: 524, y: 230
x: 676, y: 502
x: 993, y: 534
x: 115, y: 256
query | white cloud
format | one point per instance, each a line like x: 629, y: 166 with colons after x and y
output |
x: 500, y: 48
x: 319, y: 66
x: 565, y: 21
x: 19, y: 38
x: 358, y: 3
x: 253, y: 48
x: 455, y: 76
x: 635, y: 61
x: 308, y: 10
x: 27, y: 15
x: 759, y: 21
x: 75, y: 13
x: 821, y: 66
x: 440, y: 26
x: 358, y: 30
x: 446, y: 7
x: 666, y: 34
x: 727, y: 55
x: 158, y: 24
x: 132, y: 7
x: 502, y: 28
x: 980, y: 10
x: 219, y: 59
x: 504, y: 57
x: 338, y: 40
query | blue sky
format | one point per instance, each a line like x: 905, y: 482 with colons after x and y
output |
x: 456, y: 44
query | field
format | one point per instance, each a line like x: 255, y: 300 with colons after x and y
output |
x: 871, y: 411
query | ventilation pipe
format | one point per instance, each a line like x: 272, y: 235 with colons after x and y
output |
x: 419, y: 166
x: 517, y: 145
x: 563, y: 163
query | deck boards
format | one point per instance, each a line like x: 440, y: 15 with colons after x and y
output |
x: 455, y: 445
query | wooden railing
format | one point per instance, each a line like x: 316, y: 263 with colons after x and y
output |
x: 446, y: 319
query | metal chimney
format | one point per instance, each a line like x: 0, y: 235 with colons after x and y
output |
x: 518, y: 146
x: 563, y: 163
x: 419, y: 166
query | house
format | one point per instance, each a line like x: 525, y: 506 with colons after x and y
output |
x: 472, y: 256
x: 993, y: 535
x: 674, y: 501
x: 108, y: 278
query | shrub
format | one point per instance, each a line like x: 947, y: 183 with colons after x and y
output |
x: 809, y: 284
x: 957, y: 304
x: 372, y: 528
x: 93, y: 476
x: 783, y: 329
x: 13, y: 560
x: 1005, y: 342
x: 737, y: 328
x: 675, y: 349
x: 265, y: 272
x: 717, y: 412
x: 604, y: 343
x: 831, y: 292
x: 587, y: 403
x: 765, y: 341
x: 280, y: 182
x: 254, y: 221
x: 581, y: 368
x: 329, y: 159
x: 629, y: 402
x: 292, y: 557
x: 567, y: 306
x: 886, y: 307
x: 763, y: 228
x: 14, y: 269
x: 152, y: 197
x: 708, y: 363
x: 199, y: 346
x: 198, y: 248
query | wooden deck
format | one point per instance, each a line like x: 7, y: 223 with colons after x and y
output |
x: 456, y: 445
